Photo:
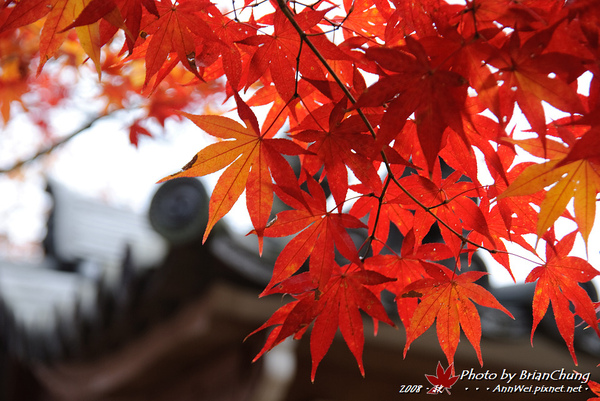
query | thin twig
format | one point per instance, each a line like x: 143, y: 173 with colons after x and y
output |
x: 379, y: 207
x: 304, y: 38
x: 52, y: 147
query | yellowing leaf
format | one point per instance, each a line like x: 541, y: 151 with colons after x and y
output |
x: 533, y: 179
x: 60, y: 16
x: 89, y: 36
x: 587, y: 185
x: 552, y: 149
x: 252, y: 159
x: 239, y: 154
x: 579, y: 179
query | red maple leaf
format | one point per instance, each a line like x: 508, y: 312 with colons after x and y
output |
x: 135, y: 130
x: 413, y: 84
x: 337, y: 305
x: 344, y: 295
x: 443, y: 379
x: 179, y: 30
x: 529, y: 76
x: 450, y: 200
x: 338, y: 143
x: 26, y: 12
x: 281, y: 111
x: 558, y: 283
x: 393, y: 212
x: 447, y: 297
x: 280, y: 53
x: 318, y: 232
x: 407, y: 268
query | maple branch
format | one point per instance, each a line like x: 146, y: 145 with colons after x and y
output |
x: 297, y: 77
x: 304, y: 38
x: 235, y: 16
x: 442, y: 222
x: 448, y: 200
x: 17, y: 165
x: 379, y: 206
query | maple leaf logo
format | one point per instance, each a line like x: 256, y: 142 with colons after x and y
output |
x: 443, y: 379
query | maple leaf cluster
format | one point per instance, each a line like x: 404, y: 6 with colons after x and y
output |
x: 377, y: 100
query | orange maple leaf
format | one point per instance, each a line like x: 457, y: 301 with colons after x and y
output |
x: 557, y: 283
x: 179, y: 29
x: 253, y: 159
x: 576, y: 174
x: 447, y: 297
x: 338, y: 305
x: 318, y: 232
x: 60, y: 14
x: 524, y: 70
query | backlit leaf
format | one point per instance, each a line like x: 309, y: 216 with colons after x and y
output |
x: 448, y: 299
